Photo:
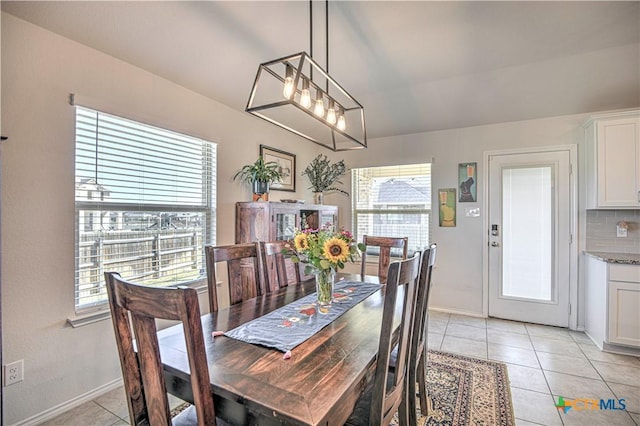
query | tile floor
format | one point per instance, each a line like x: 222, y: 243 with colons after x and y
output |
x: 543, y: 363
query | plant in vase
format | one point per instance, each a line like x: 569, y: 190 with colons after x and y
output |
x: 324, y: 251
x: 323, y: 175
x: 260, y: 175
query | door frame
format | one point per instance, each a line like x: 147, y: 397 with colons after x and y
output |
x: 573, y: 225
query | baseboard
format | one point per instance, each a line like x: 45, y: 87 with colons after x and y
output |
x: 621, y: 350
x: 72, y: 403
x: 477, y: 315
x: 456, y: 312
x: 613, y: 348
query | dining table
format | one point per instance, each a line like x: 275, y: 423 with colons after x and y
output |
x: 252, y: 384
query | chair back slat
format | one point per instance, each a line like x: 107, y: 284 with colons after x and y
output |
x: 128, y: 359
x: 424, y: 289
x: 387, y: 399
x: 135, y: 307
x: 419, y: 349
x: 151, y: 369
x: 243, y: 272
x: 275, y: 269
x: 384, y: 259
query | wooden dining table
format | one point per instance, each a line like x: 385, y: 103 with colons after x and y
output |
x: 255, y: 385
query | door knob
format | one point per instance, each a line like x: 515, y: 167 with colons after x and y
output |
x: 495, y: 244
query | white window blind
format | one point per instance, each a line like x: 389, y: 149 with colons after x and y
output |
x: 393, y: 201
x: 145, y: 204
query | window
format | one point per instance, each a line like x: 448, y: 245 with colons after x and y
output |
x: 393, y: 201
x: 144, y: 204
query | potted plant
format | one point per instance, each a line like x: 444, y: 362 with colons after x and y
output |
x: 259, y: 175
x: 323, y: 176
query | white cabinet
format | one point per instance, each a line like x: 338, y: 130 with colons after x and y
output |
x: 613, y: 305
x: 613, y: 161
x: 624, y: 305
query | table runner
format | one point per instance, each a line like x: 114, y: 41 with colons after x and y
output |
x: 288, y: 326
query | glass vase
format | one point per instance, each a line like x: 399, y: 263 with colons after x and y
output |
x: 324, y: 286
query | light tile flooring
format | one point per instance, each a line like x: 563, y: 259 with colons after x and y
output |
x: 543, y: 363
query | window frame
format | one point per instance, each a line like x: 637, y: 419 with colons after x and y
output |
x: 385, y: 210
x: 205, y: 232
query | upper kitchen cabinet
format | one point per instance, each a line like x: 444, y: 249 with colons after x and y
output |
x: 613, y: 161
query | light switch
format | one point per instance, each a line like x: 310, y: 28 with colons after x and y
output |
x: 472, y: 211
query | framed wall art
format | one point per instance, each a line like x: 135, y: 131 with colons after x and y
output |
x: 467, y: 182
x: 447, y: 207
x: 286, y: 164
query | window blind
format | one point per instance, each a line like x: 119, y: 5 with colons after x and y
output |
x: 393, y: 201
x: 145, y: 204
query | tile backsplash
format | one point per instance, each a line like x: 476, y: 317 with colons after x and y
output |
x: 601, y: 231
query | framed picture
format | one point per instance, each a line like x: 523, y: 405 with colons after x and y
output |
x: 467, y: 182
x: 287, y: 165
x: 447, y: 207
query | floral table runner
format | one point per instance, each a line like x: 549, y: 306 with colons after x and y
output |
x: 287, y: 327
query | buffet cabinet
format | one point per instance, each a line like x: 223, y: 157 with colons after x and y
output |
x: 271, y: 221
x: 613, y: 161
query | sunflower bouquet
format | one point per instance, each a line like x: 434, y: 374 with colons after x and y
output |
x: 324, y: 251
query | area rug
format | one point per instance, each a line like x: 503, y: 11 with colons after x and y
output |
x: 466, y: 391
x: 461, y: 391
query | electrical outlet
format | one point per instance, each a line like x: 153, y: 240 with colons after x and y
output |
x: 621, y: 231
x: 14, y: 372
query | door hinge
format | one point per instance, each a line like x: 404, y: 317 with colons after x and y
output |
x: 570, y: 238
x: 569, y: 308
x: 570, y: 169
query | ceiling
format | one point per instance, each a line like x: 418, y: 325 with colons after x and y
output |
x: 414, y: 66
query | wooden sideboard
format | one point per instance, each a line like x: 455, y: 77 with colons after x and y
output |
x: 271, y: 221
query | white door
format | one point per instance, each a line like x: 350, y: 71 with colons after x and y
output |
x: 530, y: 236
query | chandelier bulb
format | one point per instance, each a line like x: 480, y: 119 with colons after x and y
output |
x: 319, y: 108
x: 331, y: 113
x: 287, y: 91
x: 305, y: 95
x: 342, y: 124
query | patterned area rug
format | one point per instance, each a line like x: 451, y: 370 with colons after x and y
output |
x: 462, y: 391
x: 466, y: 391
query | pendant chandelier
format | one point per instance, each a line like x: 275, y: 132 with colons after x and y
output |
x: 297, y: 94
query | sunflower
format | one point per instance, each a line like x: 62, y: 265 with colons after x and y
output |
x: 322, y: 248
x: 301, y: 242
x: 336, y: 249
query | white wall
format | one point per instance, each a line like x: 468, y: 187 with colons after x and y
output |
x: 458, y: 274
x: 40, y: 69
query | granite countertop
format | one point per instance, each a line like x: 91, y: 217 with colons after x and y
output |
x: 625, y: 258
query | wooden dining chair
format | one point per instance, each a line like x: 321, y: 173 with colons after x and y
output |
x: 274, y: 266
x: 385, y: 395
x: 243, y: 272
x: 384, y: 258
x: 136, y: 307
x: 419, y: 349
